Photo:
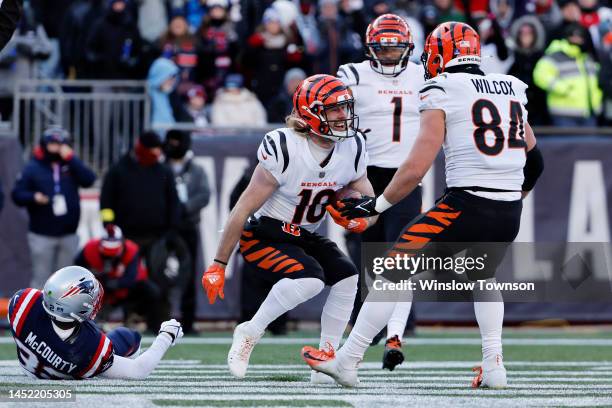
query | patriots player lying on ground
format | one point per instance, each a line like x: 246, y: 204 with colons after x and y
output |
x: 57, y: 339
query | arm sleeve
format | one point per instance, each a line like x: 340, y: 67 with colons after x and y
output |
x: 433, y: 95
x: 347, y: 75
x: 83, y: 174
x: 272, y: 155
x: 140, y: 367
x: 22, y: 191
x: 10, y: 13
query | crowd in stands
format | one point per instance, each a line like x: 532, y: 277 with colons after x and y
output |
x: 202, y: 58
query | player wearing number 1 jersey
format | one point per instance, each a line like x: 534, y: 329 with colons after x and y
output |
x: 386, y: 88
x: 491, y: 162
x: 275, y: 220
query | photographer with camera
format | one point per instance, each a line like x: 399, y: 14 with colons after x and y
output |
x: 48, y: 187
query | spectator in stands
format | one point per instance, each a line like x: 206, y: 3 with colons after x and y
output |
x: 493, y: 46
x: 161, y: 83
x: 569, y: 75
x: 194, y: 194
x: 438, y: 12
x: 51, y: 15
x: 606, y: 71
x: 152, y: 18
x: 528, y: 39
x: 194, y: 110
x: 235, y: 98
x: 267, y: 56
x: 74, y: 32
x: 179, y: 45
x: 116, y: 263
x: 339, y: 44
x: 114, y: 46
x: 282, y: 105
x: 49, y: 189
x: 140, y: 178
x: 218, y: 46
x: 193, y: 10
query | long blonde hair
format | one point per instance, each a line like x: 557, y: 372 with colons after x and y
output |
x: 297, y: 124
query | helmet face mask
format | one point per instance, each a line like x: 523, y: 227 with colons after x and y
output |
x: 387, y: 32
x: 338, y: 121
x: 72, y: 294
x: 326, y: 107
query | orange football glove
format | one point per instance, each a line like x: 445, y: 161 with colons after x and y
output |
x: 213, y: 281
x: 357, y: 225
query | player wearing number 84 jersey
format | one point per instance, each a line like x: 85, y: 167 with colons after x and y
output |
x: 492, y: 161
x: 274, y: 221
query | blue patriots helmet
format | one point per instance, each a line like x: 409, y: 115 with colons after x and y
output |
x: 72, y: 294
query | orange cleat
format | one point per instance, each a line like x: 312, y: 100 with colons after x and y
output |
x: 324, y: 361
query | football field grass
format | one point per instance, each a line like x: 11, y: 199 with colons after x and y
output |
x: 561, y: 368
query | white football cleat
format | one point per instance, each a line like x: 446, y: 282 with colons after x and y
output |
x: 325, y: 361
x: 240, y: 352
x: 492, y: 374
x: 320, y: 378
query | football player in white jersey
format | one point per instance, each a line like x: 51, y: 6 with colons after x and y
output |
x: 491, y: 163
x: 386, y: 88
x: 300, y: 169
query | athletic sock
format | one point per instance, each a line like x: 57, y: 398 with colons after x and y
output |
x: 490, y: 318
x: 337, y: 311
x: 285, y: 295
x: 398, y: 320
x: 372, y: 318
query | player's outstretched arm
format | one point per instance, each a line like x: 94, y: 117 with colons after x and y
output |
x: 409, y: 174
x: 534, y: 166
x: 426, y: 147
x: 139, y: 368
x: 261, y: 187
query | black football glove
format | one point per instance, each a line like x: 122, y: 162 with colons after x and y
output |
x: 358, y: 207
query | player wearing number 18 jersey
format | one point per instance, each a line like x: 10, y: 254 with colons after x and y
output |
x: 491, y: 162
x: 386, y: 88
x: 300, y: 169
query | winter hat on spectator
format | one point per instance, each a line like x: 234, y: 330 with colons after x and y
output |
x: 563, y: 3
x: 294, y: 74
x: 111, y: 244
x: 196, y: 90
x: 270, y: 15
x: 234, y: 81
x: 217, y: 3
x: 54, y: 134
x: 177, y: 143
x: 144, y: 148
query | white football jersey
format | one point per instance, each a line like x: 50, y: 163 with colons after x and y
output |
x: 388, y: 106
x: 485, y: 132
x: 304, y: 186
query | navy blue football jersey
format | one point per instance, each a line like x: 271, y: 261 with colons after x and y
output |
x: 43, y: 354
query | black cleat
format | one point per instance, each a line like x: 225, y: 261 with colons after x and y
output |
x: 393, y: 355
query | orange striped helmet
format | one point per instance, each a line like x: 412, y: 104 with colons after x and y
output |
x: 326, y: 105
x: 450, y: 44
x: 388, y: 31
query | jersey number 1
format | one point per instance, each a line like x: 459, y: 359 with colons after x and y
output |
x: 397, y: 118
x: 516, y: 133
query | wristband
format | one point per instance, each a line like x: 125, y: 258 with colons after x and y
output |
x: 382, y: 204
x: 221, y: 262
